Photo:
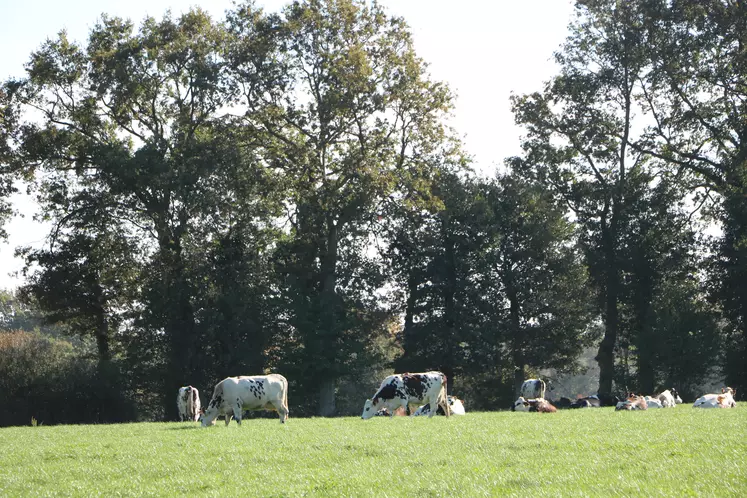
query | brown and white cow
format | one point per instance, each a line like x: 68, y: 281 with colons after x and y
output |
x: 533, y: 405
x: 403, y: 390
x: 633, y: 402
x: 533, y: 389
x: 233, y: 395
x: 188, y: 403
x: 723, y: 400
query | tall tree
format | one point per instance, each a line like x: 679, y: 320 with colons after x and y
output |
x: 696, y: 92
x: 131, y: 121
x: 579, y: 130
x: 354, y: 123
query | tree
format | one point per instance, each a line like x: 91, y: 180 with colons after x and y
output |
x: 579, y: 131
x: 696, y: 94
x: 129, y: 126
x: 349, y: 120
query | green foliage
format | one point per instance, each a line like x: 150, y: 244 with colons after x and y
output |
x: 574, y: 452
x: 52, y: 381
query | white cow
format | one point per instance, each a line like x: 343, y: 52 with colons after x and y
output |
x: 233, y: 395
x: 723, y: 400
x: 533, y: 389
x: 188, y: 403
x: 403, y: 390
x: 455, y: 404
x: 653, y: 402
x: 669, y: 398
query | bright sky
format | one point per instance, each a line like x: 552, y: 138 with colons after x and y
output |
x: 484, y: 50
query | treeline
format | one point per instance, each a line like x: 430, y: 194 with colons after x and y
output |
x: 279, y: 191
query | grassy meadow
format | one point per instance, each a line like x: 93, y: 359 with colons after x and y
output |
x: 591, y: 452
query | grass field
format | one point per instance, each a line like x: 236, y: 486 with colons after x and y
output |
x: 592, y: 452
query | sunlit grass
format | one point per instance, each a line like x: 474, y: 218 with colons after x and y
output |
x: 597, y: 452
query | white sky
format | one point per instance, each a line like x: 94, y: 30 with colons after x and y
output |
x: 485, y: 50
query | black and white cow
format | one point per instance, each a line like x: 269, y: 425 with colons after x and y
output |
x: 233, y: 395
x: 188, y: 403
x: 403, y: 390
x: 532, y: 389
x: 455, y: 404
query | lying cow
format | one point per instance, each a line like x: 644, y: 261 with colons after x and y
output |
x: 188, y: 404
x: 723, y: 400
x: 233, y: 395
x: 533, y: 389
x: 455, y: 404
x: 533, y: 405
x: 399, y: 412
x: 669, y: 398
x: 403, y: 390
x: 653, y: 402
x: 633, y: 402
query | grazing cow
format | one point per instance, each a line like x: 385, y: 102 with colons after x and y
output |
x: 233, y: 395
x: 669, y: 398
x: 723, y: 400
x: 533, y: 405
x: 533, y: 389
x: 633, y: 402
x: 403, y: 390
x: 653, y: 402
x: 188, y: 404
x: 455, y: 404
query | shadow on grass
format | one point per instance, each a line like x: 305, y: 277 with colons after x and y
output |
x: 185, y: 428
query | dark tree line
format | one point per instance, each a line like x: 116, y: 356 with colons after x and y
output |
x: 278, y: 191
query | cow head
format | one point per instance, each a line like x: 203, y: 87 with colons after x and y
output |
x: 210, y: 414
x: 369, y: 409
x: 520, y: 405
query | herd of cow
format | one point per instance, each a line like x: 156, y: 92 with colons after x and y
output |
x: 234, y: 395
x: 532, y: 399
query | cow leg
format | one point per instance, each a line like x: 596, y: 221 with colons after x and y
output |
x: 237, y: 412
x: 228, y: 418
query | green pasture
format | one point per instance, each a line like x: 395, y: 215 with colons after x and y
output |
x: 591, y: 452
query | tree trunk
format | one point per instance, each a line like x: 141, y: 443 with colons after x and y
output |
x: 516, y: 339
x: 327, y: 335
x: 179, y: 322
x: 606, y: 353
x: 327, y: 398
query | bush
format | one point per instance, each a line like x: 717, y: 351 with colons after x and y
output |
x: 48, y: 380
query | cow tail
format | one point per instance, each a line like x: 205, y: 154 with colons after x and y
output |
x: 444, y: 392
x: 285, y: 394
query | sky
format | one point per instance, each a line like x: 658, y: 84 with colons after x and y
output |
x: 484, y: 50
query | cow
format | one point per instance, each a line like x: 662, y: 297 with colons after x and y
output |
x: 399, y: 412
x: 595, y: 401
x: 188, y: 404
x: 563, y: 402
x: 723, y: 400
x: 455, y: 404
x: 233, y: 395
x: 633, y: 402
x: 669, y: 398
x: 533, y: 389
x: 533, y: 405
x: 403, y: 390
x: 653, y: 402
